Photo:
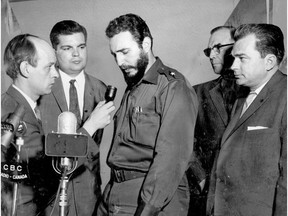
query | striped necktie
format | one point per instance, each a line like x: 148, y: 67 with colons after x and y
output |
x: 37, y: 113
x: 248, y: 101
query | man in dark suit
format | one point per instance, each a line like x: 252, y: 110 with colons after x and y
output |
x: 250, y: 173
x: 69, y: 39
x: 216, y: 99
x: 28, y: 60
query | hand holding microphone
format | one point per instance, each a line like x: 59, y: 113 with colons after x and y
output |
x: 110, y: 93
x: 101, y: 115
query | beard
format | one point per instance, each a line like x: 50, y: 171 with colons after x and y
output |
x: 140, y: 67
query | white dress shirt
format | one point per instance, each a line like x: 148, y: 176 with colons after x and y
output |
x: 79, y: 84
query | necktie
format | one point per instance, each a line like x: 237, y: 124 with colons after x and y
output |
x: 248, y: 101
x: 74, y: 106
x: 38, y: 115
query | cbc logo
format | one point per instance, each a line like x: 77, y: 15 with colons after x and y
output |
x: 12, y: 167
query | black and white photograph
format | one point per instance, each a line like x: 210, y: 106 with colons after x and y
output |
x: 143, y: 108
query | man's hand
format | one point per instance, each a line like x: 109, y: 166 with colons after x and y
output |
x: 100, y: 117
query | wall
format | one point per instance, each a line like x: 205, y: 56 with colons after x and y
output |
x: 180, y: 30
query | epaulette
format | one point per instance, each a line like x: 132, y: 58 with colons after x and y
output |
x: 169, y: 73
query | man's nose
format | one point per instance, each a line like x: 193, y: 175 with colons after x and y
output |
x: 235, y: 64
x: 213, y: 53
x: 119, y: 59
x: 75, y: 52
x: 54, y: 72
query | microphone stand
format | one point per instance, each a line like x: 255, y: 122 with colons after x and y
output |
x: 64, y: 166
x: 19, y: 143
x: 63, y: 201
x: 65, y: 147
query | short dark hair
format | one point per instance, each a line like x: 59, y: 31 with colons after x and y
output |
x: 269, y: 38
x: 132, y: 23
x: 19, y: 49
x: 230, y: 28
x: 65, y: 27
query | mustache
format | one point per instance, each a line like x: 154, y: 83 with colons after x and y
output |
x: 125, y: 67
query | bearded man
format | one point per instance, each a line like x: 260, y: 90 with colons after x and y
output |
x: 154, y: 128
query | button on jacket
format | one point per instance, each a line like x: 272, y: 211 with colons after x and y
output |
x: 154, y: 132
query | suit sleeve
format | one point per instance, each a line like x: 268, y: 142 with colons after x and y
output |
x: 94, y: 141
x: 280, y: 202
x: 93, y: 151
x: 174, y: 145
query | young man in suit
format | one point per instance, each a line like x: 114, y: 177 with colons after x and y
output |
x: 216, y: 99
x: 250, y: 173
x: 28, y: 59
x: 69, y: 39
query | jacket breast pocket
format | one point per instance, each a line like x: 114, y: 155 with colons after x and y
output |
x: 263, y: 149
x: 144, y: 128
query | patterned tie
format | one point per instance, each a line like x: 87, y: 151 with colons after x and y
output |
x: 38, y: 115
x: 74, y: 106
x: 248, y: 101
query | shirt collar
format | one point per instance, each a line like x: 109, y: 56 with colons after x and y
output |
x: 151, y: 75
x: 80, y: 78
x: 257, y: 91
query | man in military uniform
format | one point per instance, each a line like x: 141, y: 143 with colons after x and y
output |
x: 154, y: 128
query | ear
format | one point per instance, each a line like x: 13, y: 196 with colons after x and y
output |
x: 146, y: 44
x: 270, y: 61
x: 24, y: 68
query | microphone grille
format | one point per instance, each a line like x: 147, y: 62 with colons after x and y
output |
x: 67, y: 123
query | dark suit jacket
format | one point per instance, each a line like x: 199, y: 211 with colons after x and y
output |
x: 251, y: 169
x: 212, y: 119
x: 36, y: 190
x: 211, y: 122
x: 85, y: 182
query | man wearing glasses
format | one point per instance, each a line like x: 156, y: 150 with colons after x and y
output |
x: 216, y: 99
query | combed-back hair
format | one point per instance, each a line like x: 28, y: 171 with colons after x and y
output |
x: 66, y: 27
x: 131, y: 23
x: 19, y: 49
x: 269, y: 38
x: 231, y: 28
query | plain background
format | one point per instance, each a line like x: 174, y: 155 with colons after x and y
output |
x: 181, y: 30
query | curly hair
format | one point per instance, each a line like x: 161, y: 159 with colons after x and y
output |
x: 131, y: 23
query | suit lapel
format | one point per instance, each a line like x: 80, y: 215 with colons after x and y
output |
x: 261, y: 98
x: 235, y: 118
x: 216, y: 96
x: 59, y: 95
x: 256, y: 104
x: 89, y: 100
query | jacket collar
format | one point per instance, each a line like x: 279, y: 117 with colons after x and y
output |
x: 216, y: 96
x: 151, y: 75
x: 58, y: 92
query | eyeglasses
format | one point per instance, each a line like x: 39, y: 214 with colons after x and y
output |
x: 216, y: 49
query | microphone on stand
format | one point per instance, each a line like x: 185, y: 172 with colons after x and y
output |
x: 14, y: 171
x: 66, y: 145
x: 12, y: 125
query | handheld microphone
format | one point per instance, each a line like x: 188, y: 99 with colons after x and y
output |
x: 13, y: 125
x: 66, y: 145
x: 110, y: 93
